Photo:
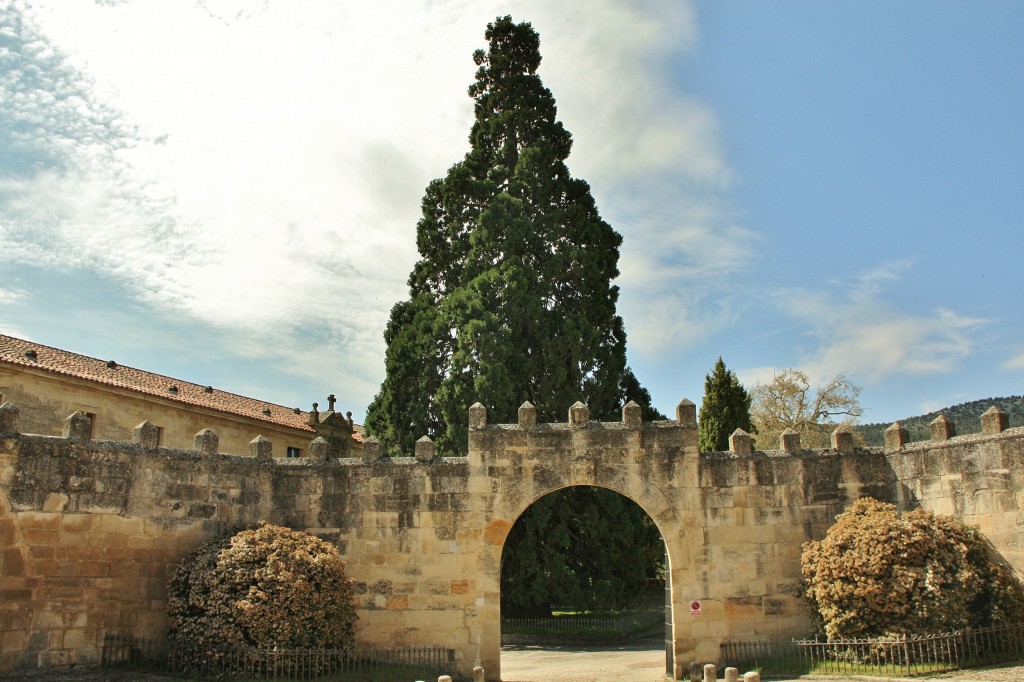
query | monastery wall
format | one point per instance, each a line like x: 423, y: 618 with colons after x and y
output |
x: 89, y: 529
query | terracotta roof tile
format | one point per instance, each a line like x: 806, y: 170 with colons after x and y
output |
x: 30, y: 354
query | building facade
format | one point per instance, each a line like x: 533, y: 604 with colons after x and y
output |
x: 52, y: 383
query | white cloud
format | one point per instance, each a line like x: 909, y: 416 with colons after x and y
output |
x: 1016, y: 362
x: 859, y: 335
x: 260, y: 167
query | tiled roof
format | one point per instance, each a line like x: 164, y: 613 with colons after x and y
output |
x: 30, y: 354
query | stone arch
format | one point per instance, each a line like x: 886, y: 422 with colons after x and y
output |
x: 669, y: 522
x: 653, y: 464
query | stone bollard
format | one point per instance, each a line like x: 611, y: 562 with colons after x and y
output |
x: 732, y: 675
x: 710, y: 672
x: 696, y: 671
x: 478, y: 674
x: 752, y: 677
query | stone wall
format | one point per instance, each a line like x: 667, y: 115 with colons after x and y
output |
x: 88, y: 529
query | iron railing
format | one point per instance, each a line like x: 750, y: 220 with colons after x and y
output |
x: 621, y: 624
x: 326, y: 665
x: 893, y: 656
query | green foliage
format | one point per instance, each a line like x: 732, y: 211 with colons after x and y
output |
x: 511, y: 299
x: 584, y: 547
x: 269, y: 586
x: 966, y: 416
x: 880, y: 572
x: 725, y: 408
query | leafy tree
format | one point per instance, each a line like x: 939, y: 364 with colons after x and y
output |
x: 556, y: 554
x: 880, y: 572
x: 787, y: 402
x: 512, y: 298
x: 725, y: 408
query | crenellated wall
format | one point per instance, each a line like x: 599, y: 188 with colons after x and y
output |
x: 88, y: 529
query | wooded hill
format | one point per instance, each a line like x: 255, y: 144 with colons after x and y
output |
x: 966, y: 416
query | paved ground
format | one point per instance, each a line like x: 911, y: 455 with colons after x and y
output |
x: 635, y: 662
x: 645, y: 662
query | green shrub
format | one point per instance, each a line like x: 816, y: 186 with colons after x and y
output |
x: 880, y: 572
x: 265, y: 587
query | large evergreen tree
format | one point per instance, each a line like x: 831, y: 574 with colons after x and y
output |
x: 725, y: 408
x: 512, y: 298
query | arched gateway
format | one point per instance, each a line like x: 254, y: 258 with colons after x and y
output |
x: 422, y: 536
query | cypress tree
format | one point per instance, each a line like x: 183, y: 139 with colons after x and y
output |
x: 725, y: 408
x: 512, y: 298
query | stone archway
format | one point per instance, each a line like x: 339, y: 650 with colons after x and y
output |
x: 652, y: 540
x: 648, y: 463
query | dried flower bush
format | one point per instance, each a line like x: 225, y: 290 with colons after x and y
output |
x: 879, y: 572
x: 265, y: 587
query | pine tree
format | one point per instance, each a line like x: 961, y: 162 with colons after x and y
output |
x: 512, y: 298
x: 725, y: 408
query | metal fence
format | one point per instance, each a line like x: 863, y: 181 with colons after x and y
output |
x: 897, y: 656
x: 625, y: 623
x: 326, y: 665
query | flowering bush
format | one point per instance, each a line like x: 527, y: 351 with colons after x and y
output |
x: 881, y: 572
x: 265, y: 587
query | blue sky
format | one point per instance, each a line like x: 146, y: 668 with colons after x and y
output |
x: 226, y: 191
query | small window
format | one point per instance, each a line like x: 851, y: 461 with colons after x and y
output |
x: 159, y: 436
x: 294, y: 452
x: 92, y: 424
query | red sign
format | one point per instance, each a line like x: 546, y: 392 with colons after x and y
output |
x: 695, y: 608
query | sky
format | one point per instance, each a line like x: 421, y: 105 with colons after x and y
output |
x: 226, y: 191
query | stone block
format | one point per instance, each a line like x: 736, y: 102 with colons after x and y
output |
x: 994, y: 421
x: 941, y: 429
x: 78, y: 426
x: 789, y: 441
x: 9, y: 418
x: 146, y: 435
x: 741, y: 443
x: 477, y: 416
x: 425, y: 450
x: 842, y: 440
x: 579, y: 415
x: 632, y: 414
x: 896, y: 437
x: 686, y: 413
x: 206, y: 442
x: 260, y: 447
x: 527, y: 416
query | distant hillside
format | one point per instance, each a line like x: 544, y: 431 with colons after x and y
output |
x: 966, y: 416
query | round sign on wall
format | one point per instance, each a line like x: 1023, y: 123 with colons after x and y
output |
x: 695, y: 608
